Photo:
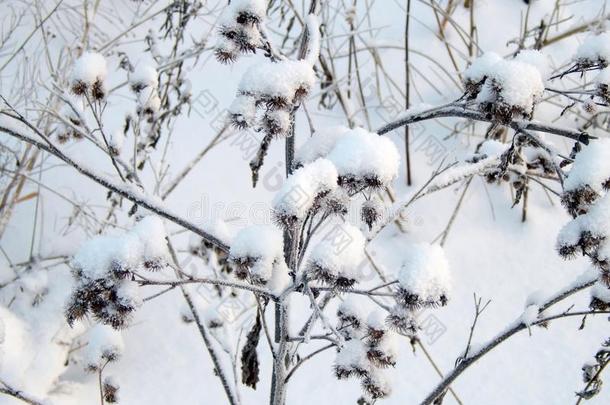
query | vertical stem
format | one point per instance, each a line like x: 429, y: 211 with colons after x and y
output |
x: 407, y: 86
x: 525, y: 193
x: 472, y: 29
x: 290, y: 150
x: 99, y: 381
x: 230, y: 393
x: 278, y: 386
x: 278, y: 379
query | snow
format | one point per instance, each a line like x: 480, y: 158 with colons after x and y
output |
x: 148, y: 100
x: 530, y: 315
x: 340, y: 258
x: 128, y: 294
x: 96, y: 255
x: 217, y: 226
x: 537, y: 59
x: 319, y: 144
x: 363, y: 154
x: 34, y: 282
x: 490, y: 251
x: 255, y: 7
x: 151, y: 232
x: 263, y: 244
x: 313, y: 30
x: 258, y: 241
x: 517, y: 83
x: 277, y: 80
x: 145, y: 242
x: 353, y: 306
x: 116, y: 140
x: 103, y: 343
x: 461, y: 172
x: 376, y: 320
x: 389, y: 346
x: 520, y: 85
x: 15, y: 347
x: 537, y: 297
x: 492, y: 147
x: 603, y: 77
x: 594, y: 49
x: 279, y: 122
x: 243, y: 110
x: 482, y: 67
x: 72, y: 112
x: 596, y: 221
x: 601, y: 292
x: 425, y: 272
x: 352, y: 356
x: 239, y: 26
x: 591, y: 167
x: 144, y: 76
x: 280, y: 278
x: 89, y: 68
x: 303, y: 187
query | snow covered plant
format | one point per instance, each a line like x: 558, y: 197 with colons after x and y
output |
x: 270, y: 91
x: 240, y: 29
x: 104, y: 345
x: 506, y: 89
x: 88, y: 75
x: 586, y: 198
x: 326, y: 252
x: 353, y: 236
x: 371, y: 336
x: 104, y: 270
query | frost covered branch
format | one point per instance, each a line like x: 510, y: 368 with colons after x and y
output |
x: 123, y: 190
x: 138, y: 98
x: 8, y: 390
x: 461, y: 111
x: 585, y: 282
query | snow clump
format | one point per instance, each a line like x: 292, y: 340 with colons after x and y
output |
x: 103, y: 268
x: 257, y: 252
x: 336, y: 258
x: 88, y: 75
x: 506, y: 88
x: 303, y: 190
x: 595, y: 50
x: 424, y: 279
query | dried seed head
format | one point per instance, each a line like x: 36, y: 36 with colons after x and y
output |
x: 276, y: 122
x: 577, y: 202
x: 379, y: 358
x: 225, y: 55
x: 375, y: 386
x: 402, y: 320
x: 371, y: 212
x: 97, y: 90
x: 247, y: 17
x: 413, y: 301
x: 110, y: 390
x: 336, y: 202
x: 567, y: 252
x: 79, y: 88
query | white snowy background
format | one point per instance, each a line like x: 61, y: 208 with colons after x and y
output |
x: 490, y: 252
